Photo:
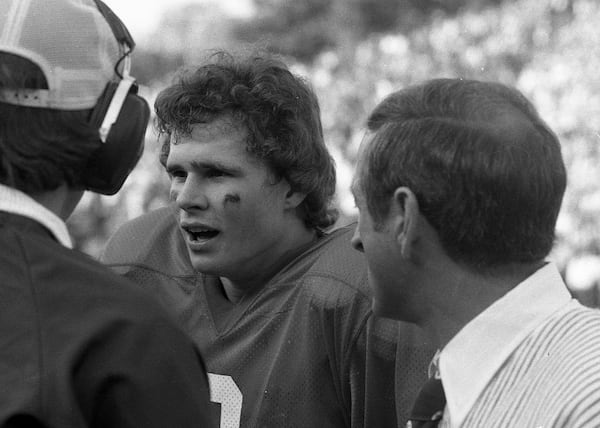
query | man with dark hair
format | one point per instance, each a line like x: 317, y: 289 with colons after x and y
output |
x: 459, y: 184
x: 279, y: 307
x: 79, y: 345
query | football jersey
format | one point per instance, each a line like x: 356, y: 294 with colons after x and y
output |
x: 304, y: 350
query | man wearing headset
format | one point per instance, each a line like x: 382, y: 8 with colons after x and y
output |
x: 79, y: 346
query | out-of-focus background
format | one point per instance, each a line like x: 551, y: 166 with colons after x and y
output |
x: 354, y: 52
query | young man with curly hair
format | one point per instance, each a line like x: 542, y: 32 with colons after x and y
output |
x: 279, y: 306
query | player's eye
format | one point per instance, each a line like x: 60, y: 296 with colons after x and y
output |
x: 213, y: 173
x: 177, y: 173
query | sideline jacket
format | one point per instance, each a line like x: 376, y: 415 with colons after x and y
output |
x: 82, y: 347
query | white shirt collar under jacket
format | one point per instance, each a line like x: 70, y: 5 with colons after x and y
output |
x: 470, y: 360
x: 16, y: 202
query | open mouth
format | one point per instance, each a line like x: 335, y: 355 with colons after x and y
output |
x: 199, y: 233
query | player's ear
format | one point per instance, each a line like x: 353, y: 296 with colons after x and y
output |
x: 293, y: 199
x: 405, y: 209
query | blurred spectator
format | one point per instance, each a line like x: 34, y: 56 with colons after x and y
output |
x: 583, y: 276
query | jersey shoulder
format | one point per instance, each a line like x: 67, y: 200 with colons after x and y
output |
x: 337, y: 257
x: 152, y: 241
x: 334, y: 261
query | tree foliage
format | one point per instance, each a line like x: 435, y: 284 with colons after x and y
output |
x: 550, y: 49
x: 304, y: 28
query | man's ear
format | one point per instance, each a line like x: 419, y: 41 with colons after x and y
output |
x: 405, y: 209
x: 293, y: 198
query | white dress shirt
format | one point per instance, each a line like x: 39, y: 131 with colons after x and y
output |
x: 471, y: 359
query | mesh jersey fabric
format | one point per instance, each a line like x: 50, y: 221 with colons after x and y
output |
x: 82, y: 347
x: 303, y: 351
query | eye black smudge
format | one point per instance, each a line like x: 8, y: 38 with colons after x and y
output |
x: 229, y: 198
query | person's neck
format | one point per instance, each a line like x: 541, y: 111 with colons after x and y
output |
x: 61, y: 201
x: 463, y: 294
x: 296, y: 241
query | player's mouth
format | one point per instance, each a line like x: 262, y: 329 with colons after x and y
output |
x: 197, y: 235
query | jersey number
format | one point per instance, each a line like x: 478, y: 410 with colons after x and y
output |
x: 224, y: 391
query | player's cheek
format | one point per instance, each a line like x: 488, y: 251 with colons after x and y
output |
x: 246, y: 217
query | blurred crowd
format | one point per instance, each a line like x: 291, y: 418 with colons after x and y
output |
x: 549, y: 49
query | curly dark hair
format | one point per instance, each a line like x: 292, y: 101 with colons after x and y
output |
x: 487, y: 172
x: 279, y: 110
x: 40, y: 149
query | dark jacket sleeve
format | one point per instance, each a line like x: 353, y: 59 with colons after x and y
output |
x: 142, y: 375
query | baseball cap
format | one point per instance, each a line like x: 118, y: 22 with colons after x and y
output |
x: 78, y: 45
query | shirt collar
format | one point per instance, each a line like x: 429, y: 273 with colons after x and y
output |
x: 16, y: 202
x: 470, y: 360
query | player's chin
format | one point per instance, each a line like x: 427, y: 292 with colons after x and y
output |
x: 205, y: 263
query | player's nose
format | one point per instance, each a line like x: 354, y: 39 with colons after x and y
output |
x: 189, y: 195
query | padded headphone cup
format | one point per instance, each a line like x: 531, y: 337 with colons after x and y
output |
x: 121, y: 118
x: 110, y: 165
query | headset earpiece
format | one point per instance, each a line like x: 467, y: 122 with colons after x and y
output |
x: 121, y: 117
x: 123, y: 142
